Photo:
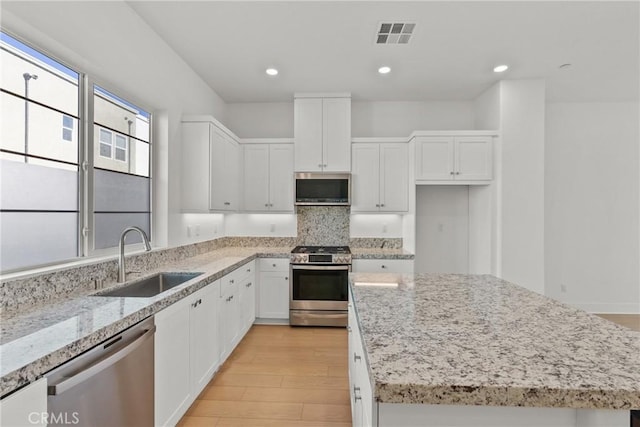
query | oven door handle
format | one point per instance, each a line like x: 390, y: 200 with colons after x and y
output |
x: 320, y: 267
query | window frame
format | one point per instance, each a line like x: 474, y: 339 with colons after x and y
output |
x: 85, y: 163
x: 113, y: 144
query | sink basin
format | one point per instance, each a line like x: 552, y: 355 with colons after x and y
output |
x: 150, y: 286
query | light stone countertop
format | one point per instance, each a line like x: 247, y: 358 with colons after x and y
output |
x: 479, y: 340
x: 34, y: 343
x: 377, y: 253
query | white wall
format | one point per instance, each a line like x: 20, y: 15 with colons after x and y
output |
x: 592, y: 205
x: 402, y: 118
x: 256, y: 224
x: 522, y: 115
x: 261, y: 120
x: 383, y: 119
x: 110, y: 42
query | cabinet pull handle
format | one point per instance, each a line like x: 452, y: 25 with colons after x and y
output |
x: 356, y: 357
x: 231, y: 297
x: 199, y: 300
x: 377, y: 205
x: 227, y: 203
x: 248, y: 270
x: 248, y: 284
x: 356, y: 393
x: 232, y: 281
x: 382, y: 205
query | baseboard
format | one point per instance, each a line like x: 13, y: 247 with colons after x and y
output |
x: 611, y: 308
x: 261, y: 321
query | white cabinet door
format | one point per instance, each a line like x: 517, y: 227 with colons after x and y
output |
x: 256, y: 177
x: 225, y: 171
x: 394, y: 178
x: 365, y: 178
x: 308, y: 134
x: 195, y: 166
x: 336, y: 134
x: 274, y: 295
x: 247, y: 303
x: 473, y: 158
x: 27, y: 406
x: 172, y: 372
x: 218, y: 166
x: 204, y: 340
x: 229, y: 320
x: 435, y: 158
x: 281, y: 177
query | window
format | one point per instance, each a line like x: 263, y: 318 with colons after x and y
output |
x: 45, y: 215
x: 67, y: 128
x: 108, y: 149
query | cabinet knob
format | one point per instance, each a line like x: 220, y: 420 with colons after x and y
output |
x: 383, y: 266
x: 286, y: 278
x: 320, y: 165
x: 248, y: 270
x: 458, y: 173
x: 382, y: 205
x: 231, y: 297
x: 377, y: 205
x: 266, y: 205
x: 451, y: 173
x: 232, y: 281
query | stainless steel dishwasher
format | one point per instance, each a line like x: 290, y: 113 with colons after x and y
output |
x: 109, y: 385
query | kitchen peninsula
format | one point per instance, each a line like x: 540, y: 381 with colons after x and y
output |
x: 463, y: 350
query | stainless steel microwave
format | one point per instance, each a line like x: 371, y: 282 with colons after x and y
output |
x: 323, y: 189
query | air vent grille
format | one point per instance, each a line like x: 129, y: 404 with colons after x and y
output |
x: 394, y: 32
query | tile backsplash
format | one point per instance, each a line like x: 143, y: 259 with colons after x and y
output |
x: 323, y: 225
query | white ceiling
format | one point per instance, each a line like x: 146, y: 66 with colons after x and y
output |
x: 329, y: 46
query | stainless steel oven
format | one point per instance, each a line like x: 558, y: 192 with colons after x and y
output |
x: 318, y: 291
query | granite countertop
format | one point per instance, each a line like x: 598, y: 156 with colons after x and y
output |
x: 35, y: 342
x: 479, y: 340
x: 32, y: 344
x: 377, y: 253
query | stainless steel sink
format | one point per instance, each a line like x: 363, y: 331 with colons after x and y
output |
x: 150, y: 286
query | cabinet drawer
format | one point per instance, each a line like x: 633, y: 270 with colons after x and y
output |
x: 230, y: 279
x: 382, y: 266
x: 246, y: 271
x: 274, y: 264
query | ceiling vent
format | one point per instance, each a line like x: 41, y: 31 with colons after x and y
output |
x: 394, y: 32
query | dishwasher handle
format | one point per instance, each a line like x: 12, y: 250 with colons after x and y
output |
x: 69, y: 383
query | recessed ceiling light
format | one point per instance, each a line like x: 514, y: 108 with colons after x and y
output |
x: 272, y: 71
x: 500, y: 68
x: 384, y: 70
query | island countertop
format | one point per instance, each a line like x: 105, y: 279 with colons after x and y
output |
x: 479, y: 340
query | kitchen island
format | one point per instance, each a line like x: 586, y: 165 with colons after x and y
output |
x: 470, y: 350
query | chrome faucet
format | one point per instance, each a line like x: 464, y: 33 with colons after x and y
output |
x: 121, y: 273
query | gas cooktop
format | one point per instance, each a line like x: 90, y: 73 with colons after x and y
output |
x: 321, y: 255
x: 321, y: 250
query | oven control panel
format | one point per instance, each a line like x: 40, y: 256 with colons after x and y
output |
x: 320, y: 259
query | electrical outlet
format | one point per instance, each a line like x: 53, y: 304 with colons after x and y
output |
x: 188, y: 231
x: 384, y: 228
x: 272, y: 228
x: 197, y: 229
x: 563, y: 288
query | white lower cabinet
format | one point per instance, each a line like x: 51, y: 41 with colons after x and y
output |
x: 25, y: 407
x: 273, y: 294
x: 229, y: 324
x: 382, y: 266
x: 186, y: 352
x: 247, y: 303
x: 362, y: 403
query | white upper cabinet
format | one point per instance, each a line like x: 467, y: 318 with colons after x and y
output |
x: 454, y: 159
x: 268, y: 177
x: 380, y: 177
x: 225, y: 172
x: 322, y: 133
x: 211, y: 164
